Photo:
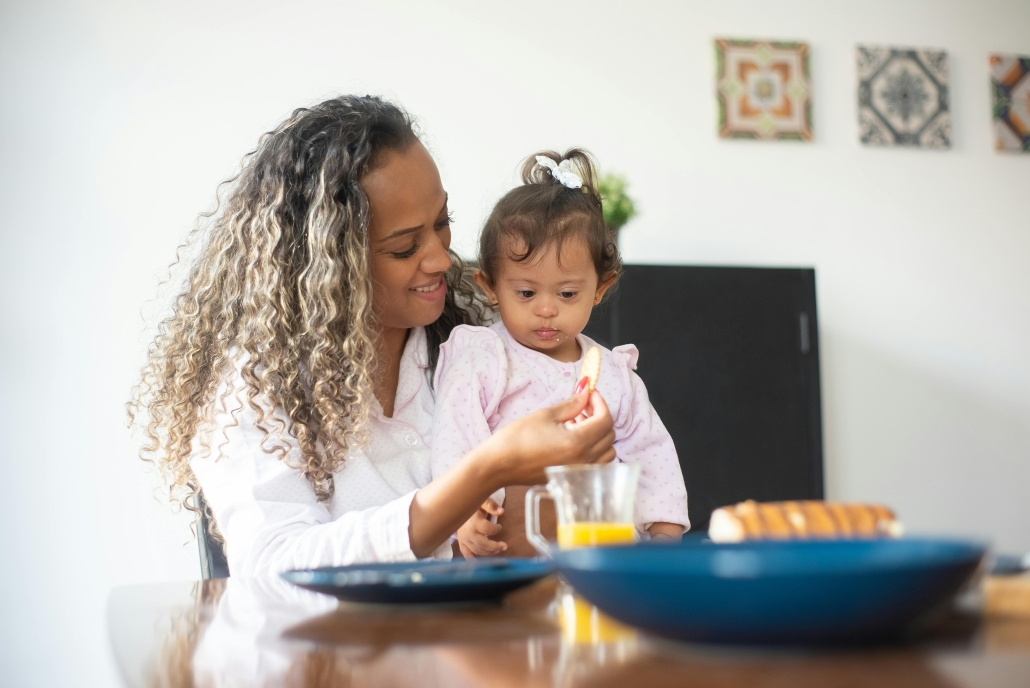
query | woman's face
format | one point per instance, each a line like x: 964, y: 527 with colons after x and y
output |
x: 409, y: 234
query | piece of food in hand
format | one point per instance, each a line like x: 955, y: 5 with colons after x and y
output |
x: 591, y: 368
x: 805, y: 520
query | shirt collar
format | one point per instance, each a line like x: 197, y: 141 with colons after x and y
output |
x: 542, y: 364
x: 414, y: 361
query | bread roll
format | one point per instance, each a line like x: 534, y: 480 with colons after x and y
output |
x: 806, y: 520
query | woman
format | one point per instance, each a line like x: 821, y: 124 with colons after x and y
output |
x: 291, y: 383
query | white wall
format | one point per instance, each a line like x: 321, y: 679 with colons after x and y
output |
x: 117, y: 120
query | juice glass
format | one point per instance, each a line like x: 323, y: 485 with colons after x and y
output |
x: 594, y: 505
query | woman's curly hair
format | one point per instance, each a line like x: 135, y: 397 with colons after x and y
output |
x: 282, y: 292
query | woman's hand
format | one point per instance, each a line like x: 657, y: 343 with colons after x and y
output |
x: 577, y: 431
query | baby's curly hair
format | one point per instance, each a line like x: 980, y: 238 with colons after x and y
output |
x: 544, y: 211
x: 282, y: 291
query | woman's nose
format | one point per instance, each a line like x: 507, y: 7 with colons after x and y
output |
x: 436, y: 257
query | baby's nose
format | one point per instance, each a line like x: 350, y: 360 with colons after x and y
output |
x: 547, y: 309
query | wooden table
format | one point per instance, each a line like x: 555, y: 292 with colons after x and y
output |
x: 240, y: 632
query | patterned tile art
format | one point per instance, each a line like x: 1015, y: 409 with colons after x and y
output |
x: 763, y: 90
x: 1010, y: 91
x: 903, y: 97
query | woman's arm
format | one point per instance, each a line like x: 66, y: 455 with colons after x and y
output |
x: 268, y: 512
x: 267, y: 509
x: 515, y: 455
x: 271, y: 520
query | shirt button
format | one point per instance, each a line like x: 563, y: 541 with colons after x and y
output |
x: 568, y: 374
x: 410, y: 440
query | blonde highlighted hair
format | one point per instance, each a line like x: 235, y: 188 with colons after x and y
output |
x: 282, y: 290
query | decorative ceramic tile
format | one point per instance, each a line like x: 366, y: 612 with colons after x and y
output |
x: 763, y: 90
x: 1010, y: 88
x: 903, y: 97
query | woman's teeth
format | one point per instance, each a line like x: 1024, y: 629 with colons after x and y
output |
x: 432, y: 288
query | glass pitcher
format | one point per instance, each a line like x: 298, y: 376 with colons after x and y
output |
x: 594, y: 505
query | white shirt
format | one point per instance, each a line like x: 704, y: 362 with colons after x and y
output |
x: 268, y: 512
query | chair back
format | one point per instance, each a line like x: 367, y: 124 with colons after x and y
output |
x: 213, y: 563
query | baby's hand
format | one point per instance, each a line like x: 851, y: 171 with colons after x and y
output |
x: 665, y: 532
x: 474, y: 536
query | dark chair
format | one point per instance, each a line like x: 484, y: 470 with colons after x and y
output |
x: 730, y: 357
x: 213, y: 563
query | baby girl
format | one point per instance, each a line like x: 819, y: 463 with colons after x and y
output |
x: 546, y: 258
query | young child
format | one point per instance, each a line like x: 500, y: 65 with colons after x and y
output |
x: 546, y: 258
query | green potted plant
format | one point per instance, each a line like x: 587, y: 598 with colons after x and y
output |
x: 617, y: 206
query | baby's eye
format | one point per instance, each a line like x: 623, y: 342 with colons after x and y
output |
x: 567, y: 294
x: 525, y: 293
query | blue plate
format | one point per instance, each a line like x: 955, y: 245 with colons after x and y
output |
x: 774, y: 592
x: 423, y: 581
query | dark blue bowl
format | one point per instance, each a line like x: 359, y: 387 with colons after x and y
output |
x: 421, y: 582
x: 774, y: 592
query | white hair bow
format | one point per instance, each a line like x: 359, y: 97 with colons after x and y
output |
x: 562, y: 172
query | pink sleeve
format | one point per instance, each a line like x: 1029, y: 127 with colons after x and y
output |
x: 469, y: 383
x: 641, y: 438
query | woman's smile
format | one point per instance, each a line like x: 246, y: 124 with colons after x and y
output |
x: 409, y: 230
x: 432, y: 292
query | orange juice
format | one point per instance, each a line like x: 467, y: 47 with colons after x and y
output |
x: 589, y: 534
x: 582, y: 623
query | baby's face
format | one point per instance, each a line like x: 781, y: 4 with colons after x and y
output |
x: 545, y: 304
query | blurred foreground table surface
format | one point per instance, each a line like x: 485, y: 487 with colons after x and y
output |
x: 240, y: 632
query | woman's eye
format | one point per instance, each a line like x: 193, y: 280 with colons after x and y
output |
x: 524, y: 293
x: 567, y: 294
x: 405, y: 254
x: 445, y: 222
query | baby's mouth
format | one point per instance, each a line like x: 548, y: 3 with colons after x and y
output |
x: 547, y: 332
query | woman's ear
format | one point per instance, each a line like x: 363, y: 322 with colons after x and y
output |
x: 604, y: 285
x: 485, y: 285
